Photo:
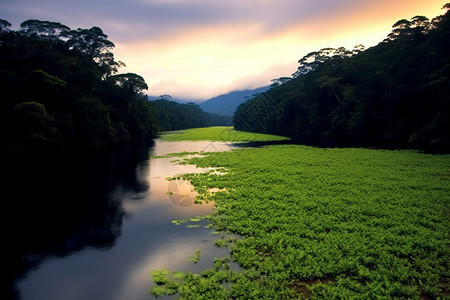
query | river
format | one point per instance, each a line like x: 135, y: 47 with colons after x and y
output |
x: 97, y: 228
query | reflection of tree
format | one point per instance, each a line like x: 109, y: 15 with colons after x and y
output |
x: 60, y: 208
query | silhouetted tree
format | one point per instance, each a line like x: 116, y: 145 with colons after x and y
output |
x: 59, y: 91
x: 394, y: 94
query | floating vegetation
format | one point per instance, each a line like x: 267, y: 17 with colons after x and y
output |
x: 160, y: 276
x: 196, y: 219
x: 178, y: 275
x: 178, y: 221
x: 178, y: 154
x: 166, y: 283
x: 216, y: 190
x: 210, y: 283
x: 193, y: 226
x: 196, y: 257
x: 220, y: 243
x: 328, y: 223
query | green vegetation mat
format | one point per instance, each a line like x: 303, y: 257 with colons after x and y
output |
x: 327, y: 224
x: 219, y: 134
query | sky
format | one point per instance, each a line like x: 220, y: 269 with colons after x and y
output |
x: 198, y: 49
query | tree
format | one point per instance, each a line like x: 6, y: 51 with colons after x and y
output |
x: 131, y: 82
x: 280, y: 81
x: 88, y: 42
x: 4, y: 26
x: 94, y: 45
x: 50, y: 31
x: 165, y: 97
x: 57, y: 93
x: 400, y: 29
x: 331, y: 83
x: 313, y: 59
x: 394, y: 94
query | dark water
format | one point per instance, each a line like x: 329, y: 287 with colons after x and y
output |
x: 94, y: 226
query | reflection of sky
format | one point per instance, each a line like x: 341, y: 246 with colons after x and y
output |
x: 148, y: 241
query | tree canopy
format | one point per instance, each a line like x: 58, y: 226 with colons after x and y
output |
x: 395, y: 94
x: 175, y: 116
x: 60, y: 89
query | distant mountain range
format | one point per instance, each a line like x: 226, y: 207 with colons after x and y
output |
x: 227, y: 104
x: 223, y: 104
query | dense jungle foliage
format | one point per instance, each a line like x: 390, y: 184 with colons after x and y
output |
x: 395, y: 94
x: 174, y: 116
x: 61, y: 89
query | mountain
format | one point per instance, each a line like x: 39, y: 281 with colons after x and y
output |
x: 227, y: 104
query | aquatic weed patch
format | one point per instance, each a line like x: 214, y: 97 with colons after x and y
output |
x: 327, y: 223
x: 178, y: 154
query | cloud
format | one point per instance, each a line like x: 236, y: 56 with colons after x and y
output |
x: 135, y: 19
x: 213, y: 58
x: 199, y: 48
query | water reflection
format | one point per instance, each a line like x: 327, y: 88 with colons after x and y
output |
x: 57, y: 208
x: 106, y: 223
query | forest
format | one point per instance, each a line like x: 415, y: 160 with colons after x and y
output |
x: 394, y: 95
x: 62, y: 90
x: 174, y: 116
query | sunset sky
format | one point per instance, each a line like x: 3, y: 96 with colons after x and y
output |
x: 197, y: 49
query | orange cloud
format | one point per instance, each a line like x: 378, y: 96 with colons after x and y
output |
x: 202, y: 61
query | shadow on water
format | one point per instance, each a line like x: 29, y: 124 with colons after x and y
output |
x: 258, y: 144
x: 57, y: 206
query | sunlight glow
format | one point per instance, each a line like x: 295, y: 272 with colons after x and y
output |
x: 197, y: 49
x: 201, y: 62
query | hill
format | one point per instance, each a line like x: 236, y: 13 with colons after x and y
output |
x: 226, y: 104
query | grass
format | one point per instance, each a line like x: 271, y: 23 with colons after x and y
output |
x: 328, y: 223
x: 218, y: 134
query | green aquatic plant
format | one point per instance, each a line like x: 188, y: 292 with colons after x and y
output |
x: 196, y: 257
x: 324, y: 222
x: 220, y: 243
x: 172, y: 155
x: 167, y: 283
x: 160, y: 276
x: 193, y: 226
x: 178, y: 221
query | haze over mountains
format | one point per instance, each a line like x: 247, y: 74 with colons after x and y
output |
x: 226, y: 104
